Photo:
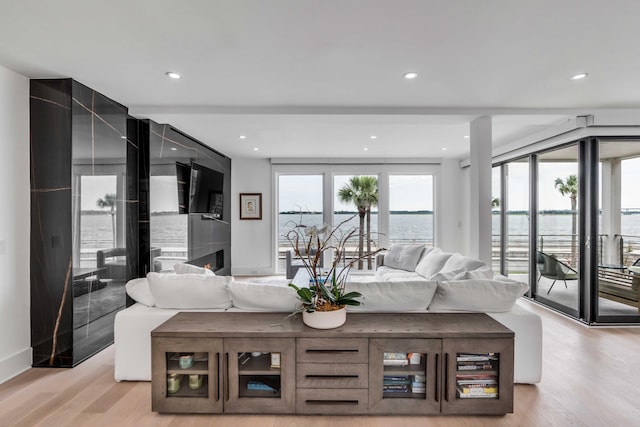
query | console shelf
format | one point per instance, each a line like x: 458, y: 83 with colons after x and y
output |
x: 400, y: 363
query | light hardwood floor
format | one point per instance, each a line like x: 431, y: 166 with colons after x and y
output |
x: 591, y: 377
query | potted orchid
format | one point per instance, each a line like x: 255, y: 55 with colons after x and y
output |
x: 326, y: 296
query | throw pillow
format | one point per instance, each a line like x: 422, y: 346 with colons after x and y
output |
x: 399, y: 296
x: 138, y: 290
x: 189, y: 291
x: 458, y: 261
x: 482, y: 273
x: 403, y: 257
x: 450, y: 275
x: 480, y: 295
x: 432, y: 263
x: 253, y: 296
x: 184, y: 268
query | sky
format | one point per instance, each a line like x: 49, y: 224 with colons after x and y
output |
x: 304, y: 192
x: 549, y: 197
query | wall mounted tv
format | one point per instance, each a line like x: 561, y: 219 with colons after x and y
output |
x: 206, y: 191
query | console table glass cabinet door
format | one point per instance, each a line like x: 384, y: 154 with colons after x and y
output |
x: 409, y: 383
x: 250, y: 384
x: 478, y: 376
x: 187, y: 372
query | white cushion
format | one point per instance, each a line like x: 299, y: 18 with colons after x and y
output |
x: 481, y: 273
x: 184, y: 268
x: 190, y: 290
x: 450, y: 275
x: 403, y: 257
x: 432, y: 263
x: 477, y: 295
x: 457, y: 262
x: 263, y: 296
x: 138, y: 290
x: 386, y: 273
x: 397, y: 296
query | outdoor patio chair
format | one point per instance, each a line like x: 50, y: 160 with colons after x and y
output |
x: 554, y: 269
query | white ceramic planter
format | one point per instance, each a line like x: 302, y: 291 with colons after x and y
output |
x: 325, y: 319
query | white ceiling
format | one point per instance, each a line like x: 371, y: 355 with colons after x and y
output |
x: 311, y: 78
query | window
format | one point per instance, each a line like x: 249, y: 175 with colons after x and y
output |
x: 411, y: 209
x: 299, y: 204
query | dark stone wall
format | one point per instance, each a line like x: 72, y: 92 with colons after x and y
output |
x: 75, y: 132
x: 78, y: 134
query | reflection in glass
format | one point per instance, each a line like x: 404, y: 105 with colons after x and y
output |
x: 169, y: 236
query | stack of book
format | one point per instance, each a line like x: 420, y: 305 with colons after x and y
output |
x: 477, y: 362
x: 473, y: 386
x: 419, y: 384
x: 479, y: 379
x: 395, y: 359
x: 395, y: 384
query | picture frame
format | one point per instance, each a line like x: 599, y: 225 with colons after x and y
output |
x: 250, y: 205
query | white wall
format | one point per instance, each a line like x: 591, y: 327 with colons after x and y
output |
x: 15, y: 324
x: 251, y: 240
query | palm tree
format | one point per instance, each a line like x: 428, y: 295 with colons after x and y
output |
x: 363, y: 192
x: 570, y: 187
x: 495, y: 203
x: 109, y: 201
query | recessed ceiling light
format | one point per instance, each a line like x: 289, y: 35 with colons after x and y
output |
x: 410, y: 75
x: 174, y: 149
x: 466, y: 137
x: 579, y: 76
x: 173, y: 75
x: 242, y: 137
x: 372, y: 137
x: 444, y: 148
x: 255, y: 148
x: 365, y: 149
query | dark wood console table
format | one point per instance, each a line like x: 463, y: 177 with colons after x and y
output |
x: 376, y: 363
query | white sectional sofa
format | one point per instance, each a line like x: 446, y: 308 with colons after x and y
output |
x: 408, y: 279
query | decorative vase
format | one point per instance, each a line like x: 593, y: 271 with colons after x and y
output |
x: 325, y: 319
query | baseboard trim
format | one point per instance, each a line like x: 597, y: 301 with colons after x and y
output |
x: 15, y: 364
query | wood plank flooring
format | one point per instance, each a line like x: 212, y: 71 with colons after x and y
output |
x: 591, y: 377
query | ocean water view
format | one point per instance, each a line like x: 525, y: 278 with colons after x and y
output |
x: 169, y: 231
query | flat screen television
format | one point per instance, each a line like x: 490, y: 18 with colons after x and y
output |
x: 206, y: 191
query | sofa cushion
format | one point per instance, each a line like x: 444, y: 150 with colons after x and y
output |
x: 450, y: 275
x: 184, y: 268
x: 386, y: 273
x: 188, y: 291
x: 481, y: 273
x: 432, y: 263
x: 395, y: 296
x: 138, y: 290
x: 461, y: 262
x: 252, y: 296
x: 477, y: 295
x: 404, y: 256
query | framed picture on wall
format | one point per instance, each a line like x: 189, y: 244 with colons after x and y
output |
x: 250, y: 205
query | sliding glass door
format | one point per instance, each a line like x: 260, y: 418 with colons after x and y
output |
x: 618, y: 269
x: 299, y: 205
x: 557, y: 249
x: 516, y: 256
